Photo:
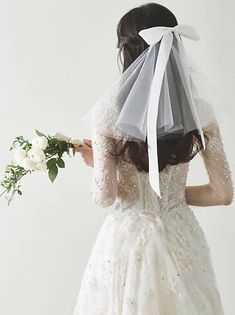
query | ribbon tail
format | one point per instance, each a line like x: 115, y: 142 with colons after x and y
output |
x: 162, y: 59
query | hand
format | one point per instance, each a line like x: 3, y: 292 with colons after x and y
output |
x: 86, y: 152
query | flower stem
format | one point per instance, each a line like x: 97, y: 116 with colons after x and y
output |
x: 3, y: 192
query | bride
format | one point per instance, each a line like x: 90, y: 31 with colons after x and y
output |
x: 151, y: 256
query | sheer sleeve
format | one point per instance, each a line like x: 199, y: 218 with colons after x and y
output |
x: 219, y: 190
x: 217, y: 165
x: 104, y: 178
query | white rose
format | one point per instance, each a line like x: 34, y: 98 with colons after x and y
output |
x: 77, y: 142
x: 19, y: 155
x: 40, y: 142
x: 62, y: 137
x: 41, y: 166
x: 28, y: 164
x: 36, y: 155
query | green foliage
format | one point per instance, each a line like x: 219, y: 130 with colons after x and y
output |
x: 60, y: 163
x: 11, y: 181
x: 53, y: 172
x: 51, y: 162
x: 40, y: 134
x: 20, y: 142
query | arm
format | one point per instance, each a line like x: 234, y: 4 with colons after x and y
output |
x: 219, y: 190
x: 104, y: 179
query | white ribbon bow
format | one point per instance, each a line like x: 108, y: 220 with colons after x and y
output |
x: 152, y: 36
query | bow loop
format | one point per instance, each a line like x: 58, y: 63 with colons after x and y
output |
x: 154, y: 34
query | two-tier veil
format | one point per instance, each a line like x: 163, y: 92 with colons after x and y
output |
x: 160, y: 95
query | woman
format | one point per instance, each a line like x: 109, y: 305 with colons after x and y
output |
x: 151, y: 256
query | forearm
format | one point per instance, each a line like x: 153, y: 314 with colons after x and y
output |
x: 203, y: 196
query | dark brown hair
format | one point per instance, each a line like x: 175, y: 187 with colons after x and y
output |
x: 131, y: 45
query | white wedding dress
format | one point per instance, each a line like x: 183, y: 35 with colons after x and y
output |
x: 150, y: 256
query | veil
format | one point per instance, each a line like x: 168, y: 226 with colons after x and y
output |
x: 160, y: 95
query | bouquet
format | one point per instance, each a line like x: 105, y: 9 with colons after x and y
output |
x: 43, y: 153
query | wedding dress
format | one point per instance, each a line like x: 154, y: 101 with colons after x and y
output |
x: 150, y: 256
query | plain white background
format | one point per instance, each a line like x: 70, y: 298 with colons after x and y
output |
x: 56, y: 58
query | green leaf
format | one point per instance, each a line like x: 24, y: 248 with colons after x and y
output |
x: 40, y: 134
x: 51, y: 162
x: 60, y: 163
x: 62, y: 145
x: 53, y: 141
x: 53, y: 172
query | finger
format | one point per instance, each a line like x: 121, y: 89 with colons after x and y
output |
x: 88, y: 142
x: 79, y: 148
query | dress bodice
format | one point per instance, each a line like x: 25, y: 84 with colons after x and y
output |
x: 134, y: 189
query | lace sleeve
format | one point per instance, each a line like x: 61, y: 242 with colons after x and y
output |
x: 219, y: 190
x: 217, y: 165
x: 104, y: 179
